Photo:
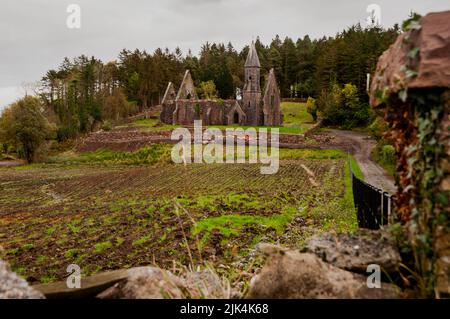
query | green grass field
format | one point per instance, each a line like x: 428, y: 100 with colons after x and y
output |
x: 296, y: 117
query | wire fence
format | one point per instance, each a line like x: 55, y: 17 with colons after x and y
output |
x: 374, y: 206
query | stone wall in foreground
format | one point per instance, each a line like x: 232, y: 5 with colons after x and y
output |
x: 14, y: 287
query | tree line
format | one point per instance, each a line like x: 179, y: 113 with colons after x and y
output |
x: 84, y: 92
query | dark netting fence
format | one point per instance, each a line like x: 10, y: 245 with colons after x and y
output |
x: 373, y: 205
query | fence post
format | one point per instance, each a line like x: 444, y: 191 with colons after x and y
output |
x: 389, y: 207
x: 390, y: 212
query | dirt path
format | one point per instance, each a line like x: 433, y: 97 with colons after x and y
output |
x: 360, y: 145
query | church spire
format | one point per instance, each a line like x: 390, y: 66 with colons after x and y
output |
x: 252, y: 57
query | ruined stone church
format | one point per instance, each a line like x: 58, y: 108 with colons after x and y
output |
x: 251, y: 109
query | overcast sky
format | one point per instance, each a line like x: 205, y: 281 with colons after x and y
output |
x: 35, y: 38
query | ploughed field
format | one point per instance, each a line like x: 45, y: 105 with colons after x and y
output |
x: 105, y: 216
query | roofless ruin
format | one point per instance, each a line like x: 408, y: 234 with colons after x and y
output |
x: 253, y: 109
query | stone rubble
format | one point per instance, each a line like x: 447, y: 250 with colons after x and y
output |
x: 14, y: 287
x: 294, y: 275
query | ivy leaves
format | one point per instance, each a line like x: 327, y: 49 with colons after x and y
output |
x: 412, y: 23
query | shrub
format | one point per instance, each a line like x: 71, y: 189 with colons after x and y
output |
x: 342, y: 106
x: 64, y: 133
x: 116, y: 106
x: 350, y: 96
x: 329, y: 105
x: 311, y: 108
x: 384, y: 154
x: 106, y: 126
x: 377, y: 128
x: 24, y: 127
x: 207, y: 90
x: 388, y: 154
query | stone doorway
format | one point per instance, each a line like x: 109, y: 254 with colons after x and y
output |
x: 236, y: 118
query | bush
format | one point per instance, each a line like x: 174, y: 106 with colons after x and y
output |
x: 106, y: 126
x: 384, y: 154
x: 24, y: 127
x: 63, y: 133
x: 207, y: 90
x: 116, y: 106
x: 329, y: 104
x: 388, y: 154
x: 311, y: 108
x: 342, y: 107
x: 377, y: 128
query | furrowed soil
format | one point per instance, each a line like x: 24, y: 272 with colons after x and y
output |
x: 110, y: 217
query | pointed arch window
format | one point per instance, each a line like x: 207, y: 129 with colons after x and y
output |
x: 236, y: 118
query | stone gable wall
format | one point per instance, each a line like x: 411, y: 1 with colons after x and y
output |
x: 211, y: 112
x: 166, y: 115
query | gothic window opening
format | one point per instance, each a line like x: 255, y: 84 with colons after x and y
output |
x: 197, y: 111
x: 236, y: 118
x: 272, y: 101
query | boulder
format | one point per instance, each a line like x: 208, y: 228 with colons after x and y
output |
x: 206, y: 284
x: 142, y: 283
x: 145, y: 283
x: 289, y: 274
x: 14, y: 287
x: 355, y: 252
x: 156, y: 283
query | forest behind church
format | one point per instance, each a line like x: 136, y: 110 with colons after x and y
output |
x: 84, y: 90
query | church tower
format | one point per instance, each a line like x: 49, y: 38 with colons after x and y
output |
x: 251, y: 99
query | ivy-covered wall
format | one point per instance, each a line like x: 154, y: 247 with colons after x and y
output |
x: 412, y: 85
x: 420, y: 130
